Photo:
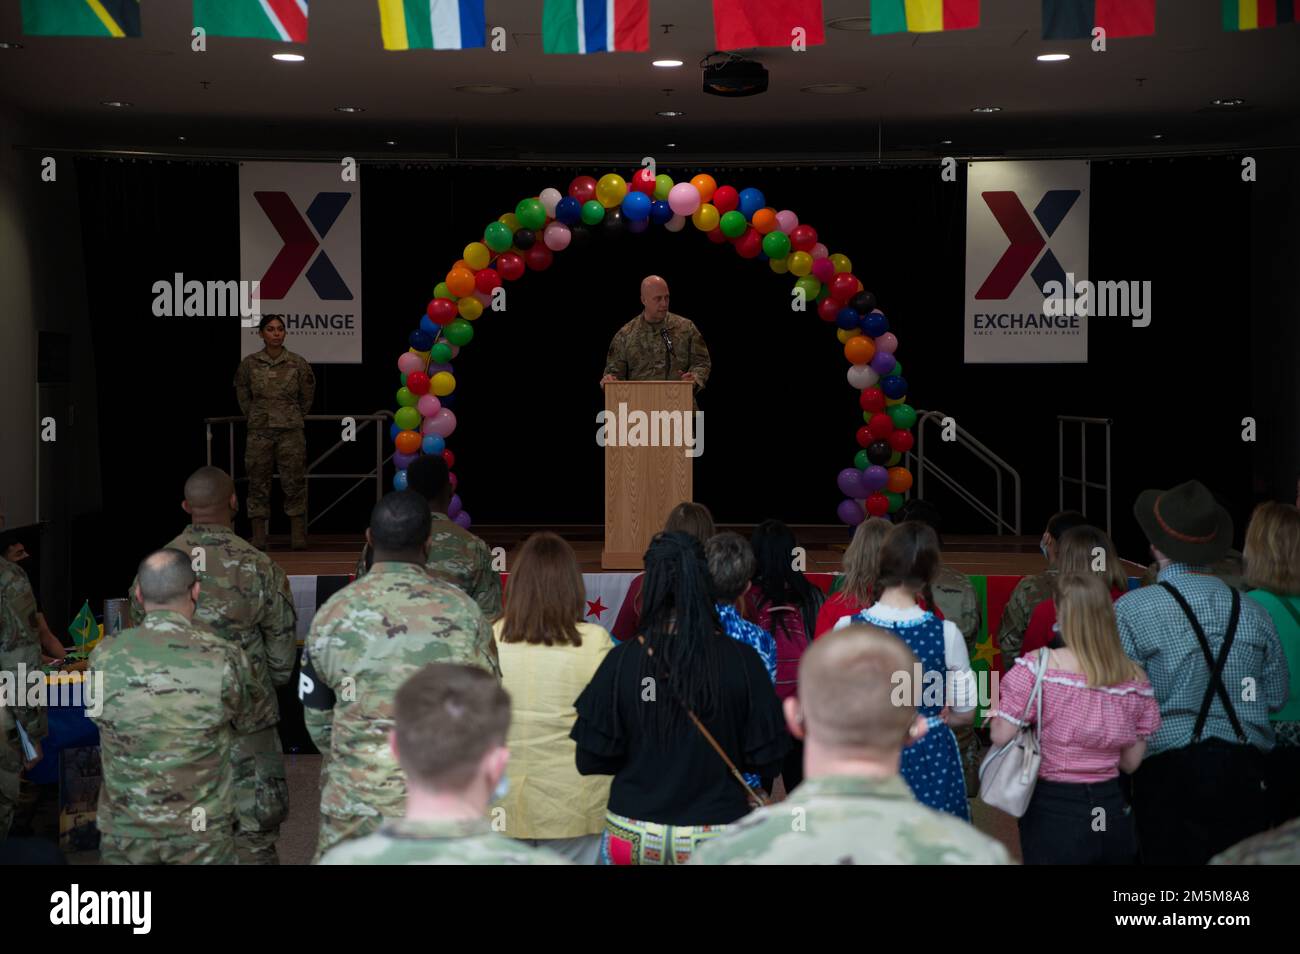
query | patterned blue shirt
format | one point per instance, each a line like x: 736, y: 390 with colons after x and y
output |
x: 763, y: 642
x: 1156, y: 634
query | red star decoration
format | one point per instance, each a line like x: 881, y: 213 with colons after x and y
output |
x: 596, y: 607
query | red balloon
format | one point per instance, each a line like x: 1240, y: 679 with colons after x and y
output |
x: 450, y: 458
x: 872, y: 399
x: 900, y: 441
x: 417, y: 382
x: 877, y: 505
x: 539, y: 257
x: 828, y: 309
x: 803, y: 238
x: 865, y: 437
x: 453, y: 480
x: 880, y: 425
x: 583, y: 188
x: 643, y: 181
x: 727, y: 199
x: 442, y: 311
x: 750, y: 243
x: 510, y: 265
x: 844, y: 286
x: 487, y: 279
x: 716, y: 236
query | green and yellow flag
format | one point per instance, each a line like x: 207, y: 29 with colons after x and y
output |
x: 84, y: 629
x: 115, y: 18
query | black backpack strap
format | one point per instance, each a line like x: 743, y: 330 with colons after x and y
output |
x: 1215, y: 665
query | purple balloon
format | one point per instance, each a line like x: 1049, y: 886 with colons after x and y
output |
x: 434, y: 368
x: 883, y: 362
x: 453, y: 508
x: 402, y: 461
x: 874, y: 478
x: 850, y: 512
x: 850, y: 482
x: 462, y: 519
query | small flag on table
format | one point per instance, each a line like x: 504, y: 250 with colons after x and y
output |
x: 1257, y: 14
x: 115, y: 18
x: 741, y: 24
x: 284, y: 20
x: 596, y: 26
x: 923, y: 16
x: 83, y: 628
x: 1076, y: 19
x: 432, y: 24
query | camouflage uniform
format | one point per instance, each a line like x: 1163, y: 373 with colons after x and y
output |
x: 848, y: 820
x: 14, y: 582
x: 637, y: 352
x: 18, y: 644
x: 175, y: 694
x: 274, y: 394
x: 1280, y: 846
x: 1025, y: 598
x: 364, y: 643
x: 458, y: 557
x: 956, y: 599
x: 403, y: 841
x: 244, y: 598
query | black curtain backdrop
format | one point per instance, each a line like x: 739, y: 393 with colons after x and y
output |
x: 780, y: 415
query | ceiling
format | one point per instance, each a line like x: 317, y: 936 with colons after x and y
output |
x: 1142, y: 94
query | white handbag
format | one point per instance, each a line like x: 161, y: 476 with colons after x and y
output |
x: 1008, y: 774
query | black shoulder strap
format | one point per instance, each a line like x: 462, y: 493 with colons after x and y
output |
x: 1216, y: 665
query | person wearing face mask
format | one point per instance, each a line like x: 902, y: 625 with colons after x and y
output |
x: 246, y: 601
x: 368, y: 639
x: 1032, y: 590
x: 450, y: 740
x: 175, y: 695
x: 14, y: 581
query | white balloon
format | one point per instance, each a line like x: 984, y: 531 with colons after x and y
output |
x: 862, y: 376
x: 550, y: 198
x: 676, y: 223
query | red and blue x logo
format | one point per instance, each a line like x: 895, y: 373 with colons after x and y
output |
x: 1026, y: 240
x: 301, y: 243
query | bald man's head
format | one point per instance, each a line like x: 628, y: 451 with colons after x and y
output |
x: 654, y: 298
x: 166, y: 580
x: 210, y: 495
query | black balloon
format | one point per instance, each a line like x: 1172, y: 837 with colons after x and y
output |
x: 525, y: 239
x: 862, y: 302
x: 879, y: 452
x: 615, y: 222
x: 580, y: 236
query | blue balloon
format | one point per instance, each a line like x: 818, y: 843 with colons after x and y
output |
x: 751, y: 200
x: 393, y: 431
x: 568, y: 210
x: 636, y: 206
x: 660, y: 212
x: 875, y: 324
x: 399, y: 480
x: 433, y: 444
x: 421, y: 340
x: 429, y: 327
x: 847, y: 318
x: 894, y: 386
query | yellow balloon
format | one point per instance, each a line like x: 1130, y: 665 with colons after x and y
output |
x: 892, y: 401
x: 841, y: 263
x: 510, y: 220
x: 442, y: 383
x: 779, y: 265
x: 706, y: 217
x: 611, y: 189
x: 845, y: 334
x: 800, y: 263
x: 469, y: 307
x: 476, y: 255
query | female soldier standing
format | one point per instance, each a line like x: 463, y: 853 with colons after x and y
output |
x: 275, y: 389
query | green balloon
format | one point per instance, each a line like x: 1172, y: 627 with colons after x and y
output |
x: 903, y: 416
x: 459, y: 332
x: 498, y: 237
x: 824, y: 293
x: 894, y: 458
x: 403, y: 382
x: 531, y: 213
x: 441, y: 290
x: 733, y: 224
x: 405, y: 398
x: 663, y: 185
x: 777, y: 245
x: 811, y: 286
x: 407, y: 419
x: 895, y: 501
x: 440, y: 353
x: 897, y: 368
x: 592, y: 212
x: 860, y: 459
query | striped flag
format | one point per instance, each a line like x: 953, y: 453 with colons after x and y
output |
x: 1075, y: 19
x: 741, y: 24
x: 432, y: 24
x: 596, y: 26
x: 1257, y: 14
x: 284, y: 20
x: 116, y: 18
x: 923, y: 16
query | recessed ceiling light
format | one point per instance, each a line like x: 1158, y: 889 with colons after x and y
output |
x: 1158, y: 136
x: 487, y: 89
x: 945, y: 142
x: 390, y: 142
x: 180, y: 138
x: 10, y: 46
x: 670, y: 113
x: 1052, y: 57
x: 288, y: 57
x: 832, y: 89
x: 986, y: 109
x: 114, y: 102
x: 854, y: 24
x: 349, y: 109
x: 1229, y: 102
x: 670, y: 145
x: 666, y: 64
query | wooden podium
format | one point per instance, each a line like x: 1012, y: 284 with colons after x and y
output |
x: 644, y: 483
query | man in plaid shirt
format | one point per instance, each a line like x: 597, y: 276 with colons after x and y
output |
x: 1203, y: 784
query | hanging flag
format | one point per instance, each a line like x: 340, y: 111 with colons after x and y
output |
x: 596, y: 26
x: 1076, y: 19
x: 923, y: 16
x: 741, y: 24
x: 1257, y: 14
x: 115, y: 18
x: 284, y: 20
x: 432, y: 24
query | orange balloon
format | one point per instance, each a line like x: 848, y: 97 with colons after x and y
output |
x: 899, y: 480
x: 706, y: 185
x: 764, y: 220
x: 859, y: 349
x: 408, y: 442
x: 460, y: 282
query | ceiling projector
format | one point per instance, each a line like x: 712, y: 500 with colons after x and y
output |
x: 735, y: 76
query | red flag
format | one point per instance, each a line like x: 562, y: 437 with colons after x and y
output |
x: 1126, y: 17
x: 740, y: 24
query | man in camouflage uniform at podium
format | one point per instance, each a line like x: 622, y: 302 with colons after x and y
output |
x: 658, y: 345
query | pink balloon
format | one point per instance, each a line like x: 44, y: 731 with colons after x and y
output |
x: 453, y: 480
x: 428, y: 406
x: 862, y: 376
x: 820, y: 251
x: 823, y: 269
x: 786, y: 221
x: 442, y: 423
x: 455, y: 350
x: 410, y: 362
x: 484, y: 298
x: 887, y: 342
x: 683, y: 198
x: 676, y: 223
x: 557, y: 236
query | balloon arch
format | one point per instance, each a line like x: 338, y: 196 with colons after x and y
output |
x: 539, y: 227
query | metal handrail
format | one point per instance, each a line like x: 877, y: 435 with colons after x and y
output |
x: 1082, y: 480
x: 981, y: 453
